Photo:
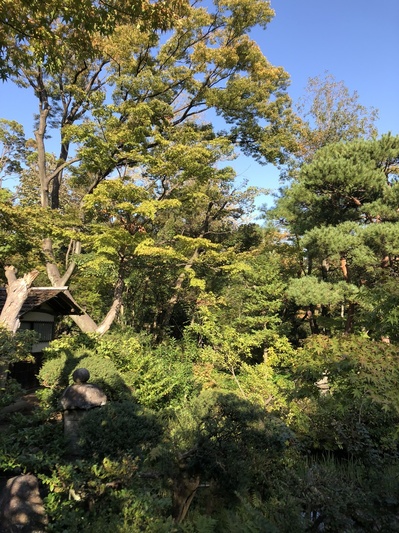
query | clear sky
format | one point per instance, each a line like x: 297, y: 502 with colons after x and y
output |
x: 357, y: 41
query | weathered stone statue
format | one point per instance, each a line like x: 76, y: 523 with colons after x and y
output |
x: 21, y: 507
x: 76, y: 400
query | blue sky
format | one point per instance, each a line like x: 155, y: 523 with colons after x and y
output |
x: 357, y: 41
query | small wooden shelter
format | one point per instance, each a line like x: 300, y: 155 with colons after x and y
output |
x: 38, y: 313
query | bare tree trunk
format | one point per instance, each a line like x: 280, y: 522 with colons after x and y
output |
x: 44, y: 110
x: 183, y: 494
x: 344, y: 268
x: 115, y: 307
x: 17, y: 292
x: 350, y: 320
x: 84, y: 322
x: 53, y: 272
x: 325, y: 267
x: 310, y: 315
x: 56, y: 185
x: 88, y: 325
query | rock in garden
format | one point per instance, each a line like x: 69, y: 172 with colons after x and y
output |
x: 21, y: 507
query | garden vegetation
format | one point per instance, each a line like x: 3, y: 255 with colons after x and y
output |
x: 251, y: 366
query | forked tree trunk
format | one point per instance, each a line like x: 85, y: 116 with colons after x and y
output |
x: 84, y: 322
x: 17, y: 292
x: 184, y: 490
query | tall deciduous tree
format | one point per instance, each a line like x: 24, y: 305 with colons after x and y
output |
x: 160, y: 89
x: 12, y: 148
x: 331, y: 113
x: 45, y: 31
x: 167, y: 233
x: 328, y: 113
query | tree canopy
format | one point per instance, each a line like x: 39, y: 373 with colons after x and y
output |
x: 47, y: 31
x: 250, y: 366
x: 136, y: 110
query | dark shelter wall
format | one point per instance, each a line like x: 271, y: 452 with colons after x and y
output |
x: 25, y: 372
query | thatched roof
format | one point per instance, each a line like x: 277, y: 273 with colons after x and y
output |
x: 55, y: 297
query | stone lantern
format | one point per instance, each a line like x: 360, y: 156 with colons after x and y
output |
x: 76, y: 400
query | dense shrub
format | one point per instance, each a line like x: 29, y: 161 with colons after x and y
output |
x: 159, y: 377
x: 253, y: 445
x: 358, y: 416
x: 110, y: 495
x: 119, y: 428
x: 31, y: 443
x: 11, y: 390
x: 228, y: 442
x: 56, y: 374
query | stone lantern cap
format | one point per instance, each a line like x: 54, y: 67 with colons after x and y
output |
x: 82, y: 395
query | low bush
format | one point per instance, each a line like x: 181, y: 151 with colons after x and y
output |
x: 119, y: 428
x: 56, y: 375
